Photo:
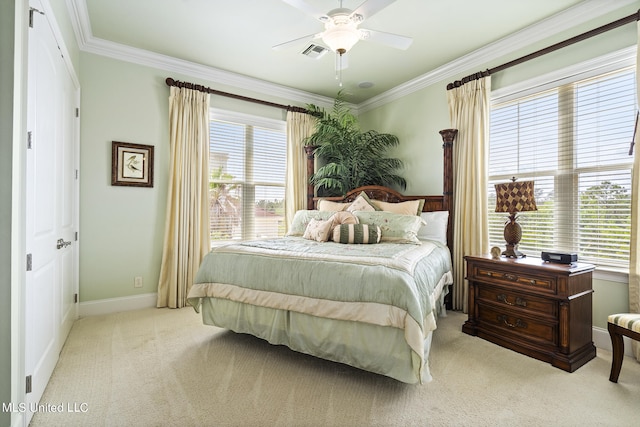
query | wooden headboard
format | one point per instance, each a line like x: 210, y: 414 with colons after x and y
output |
x: 443, y: 202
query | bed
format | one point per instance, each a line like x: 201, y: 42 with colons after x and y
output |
x: 341, y: 297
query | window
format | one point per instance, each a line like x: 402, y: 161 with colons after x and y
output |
x: 247, y: 160
x: 573, y: 141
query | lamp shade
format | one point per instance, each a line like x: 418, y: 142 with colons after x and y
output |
x: 515, y: 197
x: 341, y: 38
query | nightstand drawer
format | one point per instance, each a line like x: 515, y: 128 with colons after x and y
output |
x: 526, y: 327
x: 518, y: 301
x: 524, y: 280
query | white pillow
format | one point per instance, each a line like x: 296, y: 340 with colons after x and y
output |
x: 435, y: 227
x: 410, y: 207
x: 328, y: 205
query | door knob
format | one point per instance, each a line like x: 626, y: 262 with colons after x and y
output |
x: 62, y: 244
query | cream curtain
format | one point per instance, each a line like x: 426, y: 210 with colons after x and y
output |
x: 469, y: 113
x: 186, y: 239
x: 299, y: 126
x: 634, y: 263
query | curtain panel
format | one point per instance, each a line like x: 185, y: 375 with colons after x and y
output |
x: 186, y: 239
x: 469, y: 110
x: 299, y: 127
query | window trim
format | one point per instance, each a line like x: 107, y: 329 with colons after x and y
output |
x: 603, y: 64
x: 251, y: 120
x: 583, y: 70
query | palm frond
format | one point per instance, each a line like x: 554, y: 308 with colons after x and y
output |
x: 352, y: 158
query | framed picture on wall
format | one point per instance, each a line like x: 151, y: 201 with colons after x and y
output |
x: 131, y: 164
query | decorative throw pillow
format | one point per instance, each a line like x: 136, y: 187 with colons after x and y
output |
x: 395, y: 228
x: 435, y: 227
x: 344, y: 218
x: 356, y: 233
x: 328, y: 205
x: 318, y: 230
x: 302, y: 218
x: 361, y: 203
x: 410, y: 207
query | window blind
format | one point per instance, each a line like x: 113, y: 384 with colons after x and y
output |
x: 573, y: 142
x: 247, y: 164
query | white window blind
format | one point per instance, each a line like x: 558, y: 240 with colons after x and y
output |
x: 573, y: 141
x: 247, y: 160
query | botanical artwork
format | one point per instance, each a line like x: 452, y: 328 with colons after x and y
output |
x: 131, y: 164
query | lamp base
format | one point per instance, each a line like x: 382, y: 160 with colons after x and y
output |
x: 512, y: 252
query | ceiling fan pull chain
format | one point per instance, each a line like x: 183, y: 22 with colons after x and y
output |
x: 339, y: 68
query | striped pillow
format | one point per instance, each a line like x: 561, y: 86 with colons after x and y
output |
x: 356, y: 233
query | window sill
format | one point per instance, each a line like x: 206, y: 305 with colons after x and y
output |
x: 611, y: 275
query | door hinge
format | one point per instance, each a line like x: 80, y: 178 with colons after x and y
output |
x: 75, y: 298
x: 76, y: 236
x: 28, y: 384
x: 77, y: 176
x: 31, y: 10
x: 77, y: 112
x: 29, y: 263
x: 29, y: 140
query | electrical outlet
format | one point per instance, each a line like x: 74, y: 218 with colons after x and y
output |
x: 137, y: 282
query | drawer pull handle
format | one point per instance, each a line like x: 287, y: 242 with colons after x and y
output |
x: 519, y: 323
x: 519, y: 301
x: 532, y: 282
x: 511, y: 277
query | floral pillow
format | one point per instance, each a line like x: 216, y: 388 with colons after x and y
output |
x: 395, y: 228
x: 318, y: 230
x: 302, y: 218
x: 361, y: 203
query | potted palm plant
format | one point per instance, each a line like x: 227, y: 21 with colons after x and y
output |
x: 351, y: 158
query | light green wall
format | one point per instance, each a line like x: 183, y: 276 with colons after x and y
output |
x: 122, y: 228
x: 417, y: 118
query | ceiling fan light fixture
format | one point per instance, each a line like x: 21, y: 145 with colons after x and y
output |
x: 341, y: 36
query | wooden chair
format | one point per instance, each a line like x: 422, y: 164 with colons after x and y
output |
x: 622, y: 324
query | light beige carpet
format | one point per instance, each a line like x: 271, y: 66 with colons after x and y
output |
x: 162, y: 367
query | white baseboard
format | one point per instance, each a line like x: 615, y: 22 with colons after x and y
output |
x: 114, y: 305
x: 601, y: 340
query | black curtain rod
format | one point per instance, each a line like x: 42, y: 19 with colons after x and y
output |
x: 603, y: 29
x: 171, y: 82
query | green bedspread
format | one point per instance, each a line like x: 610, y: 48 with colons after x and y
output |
x: 386, y: 284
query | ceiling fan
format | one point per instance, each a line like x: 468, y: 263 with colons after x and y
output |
x: 341, y: 30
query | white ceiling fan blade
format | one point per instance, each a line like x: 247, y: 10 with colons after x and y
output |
x: 371, y: 7
x: 388, y: 39
x: 307, y: 8
x: 296, y: 41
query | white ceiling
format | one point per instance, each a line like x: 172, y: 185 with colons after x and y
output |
x: 234, y: 38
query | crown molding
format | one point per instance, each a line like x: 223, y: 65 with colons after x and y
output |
x: 565, y: 20
x: 576, y: 15
x: 90, y: 44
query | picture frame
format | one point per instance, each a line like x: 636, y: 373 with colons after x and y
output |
x: 131, y: 164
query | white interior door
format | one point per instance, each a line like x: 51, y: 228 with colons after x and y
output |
x: 51, y: 211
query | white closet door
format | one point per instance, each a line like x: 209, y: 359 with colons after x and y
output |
x: 51, y: 211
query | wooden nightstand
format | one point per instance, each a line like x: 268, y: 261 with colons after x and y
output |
x: 539, y: 309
